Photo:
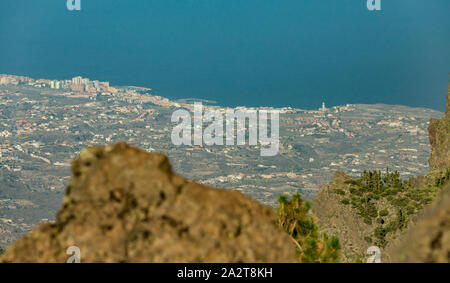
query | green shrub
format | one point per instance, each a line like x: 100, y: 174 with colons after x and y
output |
x: 339, y: 192
x: 401, y: 219
x: 400, y: 202
x: 443, y: 178
x: 372, y: 210
x: 331, y: 253
x: 410, y: 209
x: 391, y: 226
x: 380, y: 234
x: 391, y: 195
x: 294, y: 219
x: 353, y: 182
x: 383, y: 213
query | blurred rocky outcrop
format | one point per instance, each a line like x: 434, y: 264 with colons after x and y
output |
x: 126, y: 205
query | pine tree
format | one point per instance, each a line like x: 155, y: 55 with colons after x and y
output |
x: 294, y: 218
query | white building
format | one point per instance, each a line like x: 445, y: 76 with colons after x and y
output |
x: 323, y: 109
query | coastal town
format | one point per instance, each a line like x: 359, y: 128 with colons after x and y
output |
x: 45, y: 123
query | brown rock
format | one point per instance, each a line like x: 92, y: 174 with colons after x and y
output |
x: 126, y: 205
x: 334, y: 218
x: 439, y: 134
x: 428, y: 240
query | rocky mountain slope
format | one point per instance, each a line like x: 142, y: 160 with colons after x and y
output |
x: 428, y: 239
x: 336, y: 218
x: 384, y: 210
x: 126, y: 205
x: 439, y: 133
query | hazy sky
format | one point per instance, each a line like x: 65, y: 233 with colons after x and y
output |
x: 239, y: 52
